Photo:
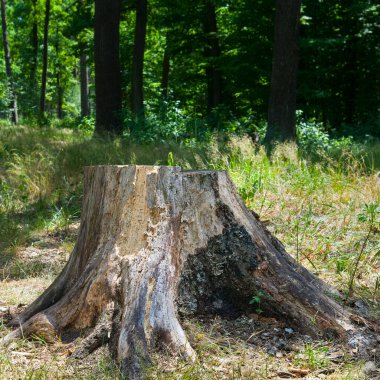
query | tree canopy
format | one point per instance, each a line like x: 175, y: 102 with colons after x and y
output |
x: 206, y: 62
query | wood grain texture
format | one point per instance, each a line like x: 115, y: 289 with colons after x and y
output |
x: 157, y: 242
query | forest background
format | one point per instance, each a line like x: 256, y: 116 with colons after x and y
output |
x: 190, y: 84
x: 190, y: 67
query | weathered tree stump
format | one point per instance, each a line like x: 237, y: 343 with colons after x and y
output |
x: 155, y: 241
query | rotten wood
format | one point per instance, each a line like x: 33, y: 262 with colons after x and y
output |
x: 156, y: 243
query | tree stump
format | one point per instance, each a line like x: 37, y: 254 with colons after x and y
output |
x: 155, y: 242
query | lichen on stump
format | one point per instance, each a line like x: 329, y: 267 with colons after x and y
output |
x: 155, y: 242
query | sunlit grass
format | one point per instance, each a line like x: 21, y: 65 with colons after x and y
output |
x: 314, y: 206
x: 317, y: 207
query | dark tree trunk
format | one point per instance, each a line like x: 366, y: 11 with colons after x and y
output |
x: 350, y: 71
x: 138, y: 58
x: 350, y: 88
x: 107, y: 67
x: 212, y: 53
x: 45, y: 60
x: 8, y: 64
x: 84, y: 91
x: 155, y: 241
x: 282, y: 98
x: 165, y: 75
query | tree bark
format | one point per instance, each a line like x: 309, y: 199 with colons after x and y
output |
x: 108, y: 97
x: 84, y: 91
x: 212, y: 53
x: 45, y: 60
x: 84, y: 75
x: 59, y: 97
x: 8, y: 64
x: 59, y: 87
x: 138, y: 59
x: 34, y: 43
x: 155, y: 241
x: 282, y: 98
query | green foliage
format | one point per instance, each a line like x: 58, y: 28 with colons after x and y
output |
x: 312, y: 138
x: 339, y: 57
x: 258, y: 300
x: 313, y: 357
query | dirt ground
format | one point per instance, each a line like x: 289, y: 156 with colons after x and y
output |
x: 249, y: 347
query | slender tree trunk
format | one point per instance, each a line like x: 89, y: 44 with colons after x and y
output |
x: 212, y: 53
x: 83, y: 67
x: 8, y: 64
x: 282, y: 99
x: 165, y: 74
x: 59, y: 96
x: 59, y: 88
x: 45, y: 60
x: 34, y: 43
x: 138, y: 58
x: 155, y: 241
x: 33, y: 86
x: 84, y: 91
x: 350, y: 90
x: 107, y: 67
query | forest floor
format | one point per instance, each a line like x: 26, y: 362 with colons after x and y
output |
x: 249, y: 347
x: 325, y: 211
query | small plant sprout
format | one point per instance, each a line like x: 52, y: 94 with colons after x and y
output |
x: 257, y: 300
x: 171, y: 161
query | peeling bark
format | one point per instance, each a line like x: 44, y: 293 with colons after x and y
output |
x: 156, y: 242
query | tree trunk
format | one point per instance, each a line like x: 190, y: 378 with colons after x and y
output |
x: 59, y: 97
x: 165, y: 74
x: 350, y: 82
x: 8, y: 64
x: 282, y: 98
x: 155, y: 241
x: 84, y: 91
x: 34, y: 44
x: 83, y: 67
x: 59, y: 88
x: 45, y: 60
x: 212, y: 53
x: 107, y: 67
x: 138, y: 59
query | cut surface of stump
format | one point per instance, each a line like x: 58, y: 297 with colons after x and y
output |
x: 157, y: 242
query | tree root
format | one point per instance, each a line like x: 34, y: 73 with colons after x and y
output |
x: 154, y: 241
x: 99, y: 336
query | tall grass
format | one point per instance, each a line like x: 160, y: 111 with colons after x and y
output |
x: 312, y: 205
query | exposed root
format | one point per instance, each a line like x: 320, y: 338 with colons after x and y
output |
x: 41, y: 326
x: 154, y: 240
x: 99, y: 336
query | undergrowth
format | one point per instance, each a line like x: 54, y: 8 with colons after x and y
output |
x: 318, y: 208
x: 323, y: 202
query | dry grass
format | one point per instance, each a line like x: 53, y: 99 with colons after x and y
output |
x: 318, y: 209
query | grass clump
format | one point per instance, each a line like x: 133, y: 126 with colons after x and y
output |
x: 312, y: 205
x: 324, y: 207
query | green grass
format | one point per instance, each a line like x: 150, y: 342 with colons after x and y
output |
x: 315, y: 207
x: 325, y: 210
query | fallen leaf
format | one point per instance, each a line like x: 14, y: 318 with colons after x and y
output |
x: 299, y: 371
